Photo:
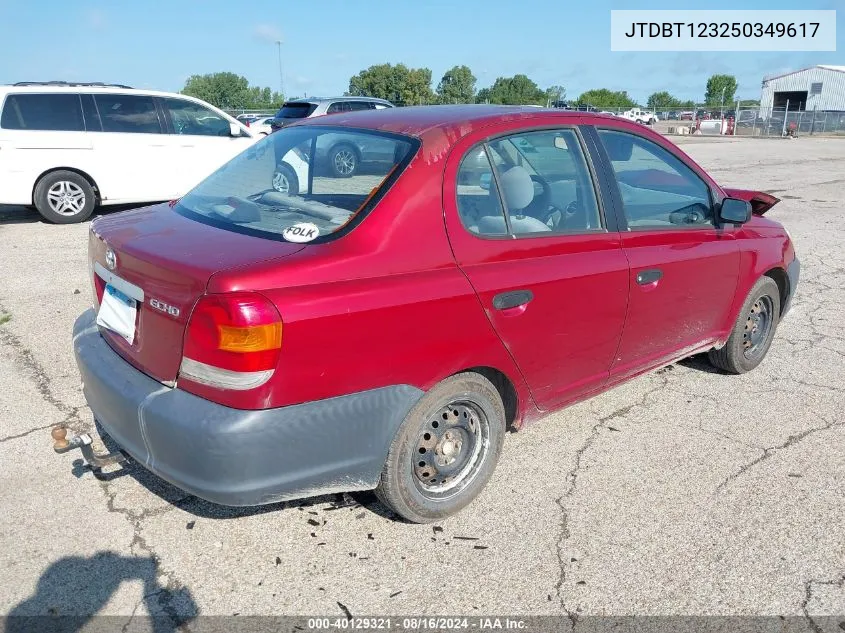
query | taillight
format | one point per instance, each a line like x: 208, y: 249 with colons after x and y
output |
x: 233, y: 341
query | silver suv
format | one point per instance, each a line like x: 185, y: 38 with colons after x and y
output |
x: 342, y: 160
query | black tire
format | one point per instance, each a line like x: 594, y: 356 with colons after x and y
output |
x: 743, y: 352
x: 475, y: 416
x: 48, y: 201
x: 285, y: 172
x: 344, y: 160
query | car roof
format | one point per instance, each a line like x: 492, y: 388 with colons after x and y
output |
x: 423, y: 120
x: 344, y: 98
x: 42, y: 88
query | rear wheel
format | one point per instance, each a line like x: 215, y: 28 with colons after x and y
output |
x: 343, y: 161
x: 445, y: 450
x: 752, y: 334
x: 64, y: 197
x: 285, y: 180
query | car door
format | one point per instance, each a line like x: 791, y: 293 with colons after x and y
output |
x: 684, y: 268
x: 201, y: 140
x: 131, y: 149
x: 527, y: 229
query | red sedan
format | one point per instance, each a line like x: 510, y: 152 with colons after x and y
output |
x: 484, y: 266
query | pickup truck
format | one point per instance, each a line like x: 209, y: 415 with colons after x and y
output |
x: 640, y: 116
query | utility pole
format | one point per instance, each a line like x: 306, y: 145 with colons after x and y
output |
x: 281, y: 79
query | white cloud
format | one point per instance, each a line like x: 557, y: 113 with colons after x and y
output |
x: 267, y: 32
x: 96, y: 19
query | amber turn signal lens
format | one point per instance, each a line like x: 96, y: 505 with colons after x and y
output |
x: 254, y: 338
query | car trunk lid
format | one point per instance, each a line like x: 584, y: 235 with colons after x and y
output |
x: 166, y: 260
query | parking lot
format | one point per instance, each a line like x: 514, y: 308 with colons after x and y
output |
x: 685, y: 491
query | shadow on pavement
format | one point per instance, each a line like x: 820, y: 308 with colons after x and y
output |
x: 74, y: 589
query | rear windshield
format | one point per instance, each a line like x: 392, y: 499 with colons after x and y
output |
x: 301, y: 184
x: 296, y: 110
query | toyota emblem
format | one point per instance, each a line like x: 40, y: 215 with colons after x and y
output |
x: 111, y: 259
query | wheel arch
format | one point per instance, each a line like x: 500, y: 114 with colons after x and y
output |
x: 85, y: 175
x: 507, y: 391
x: 782, y: 280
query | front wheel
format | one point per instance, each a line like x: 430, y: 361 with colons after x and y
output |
x: 752, y: 334
x: 445, y: 450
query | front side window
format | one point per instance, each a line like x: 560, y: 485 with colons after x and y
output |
x: 658, y: 190
x: 52, y: 112
x: 283, y: 187
x: 542, y: 180
x: 134, y: 114
x: 195, y: 120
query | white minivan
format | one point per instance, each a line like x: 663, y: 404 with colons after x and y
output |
x: 66, y: 148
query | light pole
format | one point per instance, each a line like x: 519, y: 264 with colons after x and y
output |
x: 281, y: 80
x: 722, y: 107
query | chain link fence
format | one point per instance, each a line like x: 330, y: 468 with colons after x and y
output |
x: 785, y: 122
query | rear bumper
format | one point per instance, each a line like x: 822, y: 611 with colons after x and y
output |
x: 793, y: 271
x: 235, y: 457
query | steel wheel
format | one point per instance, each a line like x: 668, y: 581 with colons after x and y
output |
x: 449, y: 450
x: 757, y: 327
x: 66, y: 198
x: 345, y: 162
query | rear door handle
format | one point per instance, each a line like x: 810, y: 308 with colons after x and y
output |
x: 512, y: 299
x: 645, y: 277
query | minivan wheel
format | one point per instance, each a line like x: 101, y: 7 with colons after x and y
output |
x: 343, y: 160
x: 445, y: 450
x: 753, y: 332
x: 64, y: 197
x: 285, y: 180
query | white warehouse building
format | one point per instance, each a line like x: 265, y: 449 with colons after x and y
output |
x: 817, y: 88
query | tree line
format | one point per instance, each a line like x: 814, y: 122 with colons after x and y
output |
x: 402, y: 85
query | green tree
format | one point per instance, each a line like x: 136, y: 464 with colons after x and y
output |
x: 516, y: 90
x: 718, y: 85
x: 603, y: 98
x: 398, y: 84
x: 555, y: 93
x: 662, y: 100
x: 230, y: 91
x: 483, y: 96
x: 457, y: 86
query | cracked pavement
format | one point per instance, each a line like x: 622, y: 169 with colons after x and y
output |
x: 685, y: 491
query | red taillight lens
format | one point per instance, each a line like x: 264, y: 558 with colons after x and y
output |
x: 233, y: 341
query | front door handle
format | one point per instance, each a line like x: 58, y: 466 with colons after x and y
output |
x: 645, y: 277
x: 512, y: 299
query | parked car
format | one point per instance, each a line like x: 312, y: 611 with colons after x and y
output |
x: 687, y: 115
x: 296, y: 109
x: 672, y: 115
x: 382, y: 332
x: 640, y: 116
x: 68, y: 148
x: 260, y: 125
x: 247, y: 118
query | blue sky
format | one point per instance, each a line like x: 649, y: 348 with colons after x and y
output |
x: 158, y: 44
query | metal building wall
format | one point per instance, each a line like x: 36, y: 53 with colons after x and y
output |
x: 833, y: 88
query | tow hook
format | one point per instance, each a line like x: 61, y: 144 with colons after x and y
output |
x: 84, y: 443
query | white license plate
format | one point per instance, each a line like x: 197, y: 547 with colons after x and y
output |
x: 117, y: 313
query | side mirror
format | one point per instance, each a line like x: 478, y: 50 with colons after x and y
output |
x: 735, y: 211
x: 235, y: 130
x: 484, y: 181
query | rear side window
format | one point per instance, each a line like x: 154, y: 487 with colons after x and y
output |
x: 296, y: 110
x: 134, y: 114
x: 54, y: 112
x: 541, y: 177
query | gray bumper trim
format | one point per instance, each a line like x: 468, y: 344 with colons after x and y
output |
x: 234, y: 457
x: 793, y: 271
